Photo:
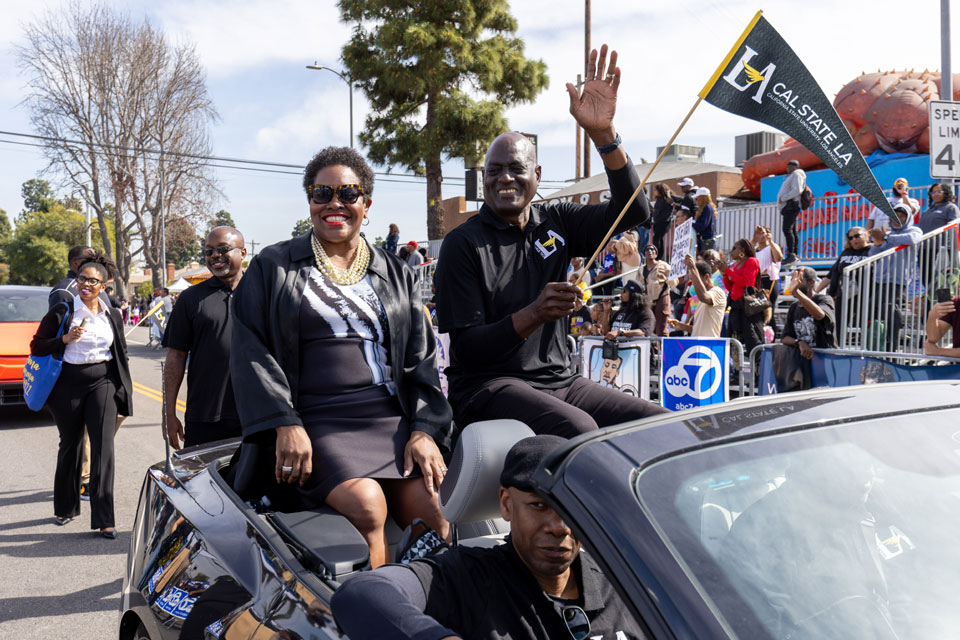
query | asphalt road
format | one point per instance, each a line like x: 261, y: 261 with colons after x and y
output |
x: 64, y: 582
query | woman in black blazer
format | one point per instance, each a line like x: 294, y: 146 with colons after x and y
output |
x: 93, y: 388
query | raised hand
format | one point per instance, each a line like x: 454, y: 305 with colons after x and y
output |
x: 595, y: 104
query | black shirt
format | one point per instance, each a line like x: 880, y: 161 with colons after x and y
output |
x: 848, y: 257
x: 201, y: 325
x: 512, y: 603
x: 629, y: 319
x: 801, y: 326
x: 489, y: 269
x: 479, y: 594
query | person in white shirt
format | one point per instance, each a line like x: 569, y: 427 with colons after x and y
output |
x: 789, y: 200
x: 901, y: 194
x: 628, y: 255
x: 708, y: 317
x: 93, y: 388
x: 769, y: 256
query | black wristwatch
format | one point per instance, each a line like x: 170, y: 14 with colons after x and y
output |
x: 611, y: 147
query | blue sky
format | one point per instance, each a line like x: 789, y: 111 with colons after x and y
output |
x: 272, y: 108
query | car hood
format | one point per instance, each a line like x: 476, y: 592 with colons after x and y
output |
x: 15, y: 340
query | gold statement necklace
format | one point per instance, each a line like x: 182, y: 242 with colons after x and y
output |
x: 351, y: 275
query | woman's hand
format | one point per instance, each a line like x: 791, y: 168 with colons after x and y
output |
x: 74, y: 334
x: 422, y: 450
x: 294, y: 454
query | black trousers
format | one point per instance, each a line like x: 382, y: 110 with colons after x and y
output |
x: 580, y: 407
x: 773, y: 292
x: 790, y: 213
x: 85, y: 394
x: 659, y: 231
x: 196, y: 432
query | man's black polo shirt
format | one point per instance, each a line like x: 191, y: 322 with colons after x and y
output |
x: 201, y: 324
x: 489, y: 270
x: 490, y: 594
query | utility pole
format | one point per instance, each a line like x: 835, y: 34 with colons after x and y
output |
x: 946, y: 72
x: 576, y: 171
x: 163, y: 224
x: 586, y: 66
x: 253, y: 247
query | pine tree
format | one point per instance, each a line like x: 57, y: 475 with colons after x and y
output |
x: 419, y: 63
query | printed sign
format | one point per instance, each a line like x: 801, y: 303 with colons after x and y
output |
x: 944, y: 139
x: 176, y: 602
x: 629, y: 372
x: 693, y: 373
x: 684, y: 242
x: 443, y: 359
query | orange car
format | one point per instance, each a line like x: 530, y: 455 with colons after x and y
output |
x: 21, y: 309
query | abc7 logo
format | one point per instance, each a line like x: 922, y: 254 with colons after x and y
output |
x: 701, y: 386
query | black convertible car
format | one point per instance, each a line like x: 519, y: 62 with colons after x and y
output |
x: 830, y: 513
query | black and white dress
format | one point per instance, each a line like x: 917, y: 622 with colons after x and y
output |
x: 347, y: 397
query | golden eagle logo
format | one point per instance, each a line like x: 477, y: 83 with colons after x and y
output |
x: 752, y: 74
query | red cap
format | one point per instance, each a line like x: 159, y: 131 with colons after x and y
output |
x: 412, y: 243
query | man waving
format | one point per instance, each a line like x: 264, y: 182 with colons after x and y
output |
x: 501, y: 282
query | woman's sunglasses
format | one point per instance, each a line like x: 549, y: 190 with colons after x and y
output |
x: 346, y: 193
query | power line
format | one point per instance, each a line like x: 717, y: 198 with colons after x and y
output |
x: 265, y: 163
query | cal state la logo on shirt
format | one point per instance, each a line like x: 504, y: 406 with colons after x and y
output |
x: 549, y: 247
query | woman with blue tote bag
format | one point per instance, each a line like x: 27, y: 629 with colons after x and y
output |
x: 93, y: 387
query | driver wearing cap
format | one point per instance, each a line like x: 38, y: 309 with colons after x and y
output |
x: 536, y: 585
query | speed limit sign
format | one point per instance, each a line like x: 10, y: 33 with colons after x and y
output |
x: 944, y: 139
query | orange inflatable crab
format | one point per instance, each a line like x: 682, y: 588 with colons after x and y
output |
x: 883, y: 110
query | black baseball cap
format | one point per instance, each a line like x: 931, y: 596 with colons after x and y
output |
x: 523, y: 459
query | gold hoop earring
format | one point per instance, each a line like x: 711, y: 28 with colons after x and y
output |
x: 366, y: 221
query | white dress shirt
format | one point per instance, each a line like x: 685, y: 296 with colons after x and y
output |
x: 94, y: 345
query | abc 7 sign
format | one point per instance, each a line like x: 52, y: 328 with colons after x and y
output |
x: 699, y: 361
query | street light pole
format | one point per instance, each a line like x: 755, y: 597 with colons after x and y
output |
x: 345, y: 78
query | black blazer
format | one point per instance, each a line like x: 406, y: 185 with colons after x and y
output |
x: 265, y: 347
x: 45, y: 342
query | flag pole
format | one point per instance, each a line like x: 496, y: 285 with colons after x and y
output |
x: 703, y: 94
x: 643, y: 183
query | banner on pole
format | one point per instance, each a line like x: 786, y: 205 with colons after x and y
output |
x: 693, y: 372
x: 684, y: 242
x: 629, y: 372
x: 764, y: 80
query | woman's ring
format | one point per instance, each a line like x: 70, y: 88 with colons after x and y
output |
x: 610, y: 76
x: 443, y: 469
x: 286, y: 469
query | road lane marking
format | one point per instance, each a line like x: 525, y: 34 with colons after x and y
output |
x: 153, y: 394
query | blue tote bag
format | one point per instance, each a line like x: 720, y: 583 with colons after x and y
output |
x: 40, y: 373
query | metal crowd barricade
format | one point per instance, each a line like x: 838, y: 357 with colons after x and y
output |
x: 885, y: 298
x: 822, y: 227
x: 892, y: 356
x: 656, y: 362
x: 425, y: 273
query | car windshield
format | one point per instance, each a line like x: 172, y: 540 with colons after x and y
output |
x: 836, y: 532
x: 23, y: 305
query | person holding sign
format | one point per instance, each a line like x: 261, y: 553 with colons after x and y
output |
x: 502, y: 289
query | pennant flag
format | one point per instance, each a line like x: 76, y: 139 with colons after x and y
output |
x: 764, y: 80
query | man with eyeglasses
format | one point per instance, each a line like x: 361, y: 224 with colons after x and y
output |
x: 200, y: 328
x: 538, y: 585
